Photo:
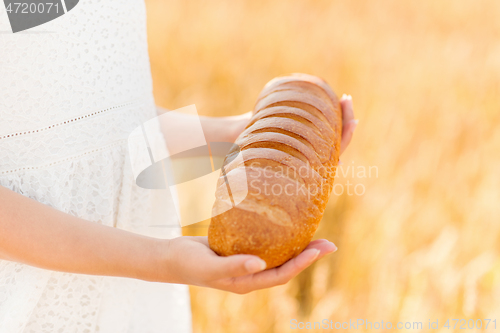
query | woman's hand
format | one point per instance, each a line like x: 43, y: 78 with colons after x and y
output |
x: 348, y: 122
x: 224, y: 129
x: 189, y: 260
x: 228, y: 128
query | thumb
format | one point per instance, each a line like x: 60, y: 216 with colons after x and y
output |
x: 347, y: 133
x: 237, y: 265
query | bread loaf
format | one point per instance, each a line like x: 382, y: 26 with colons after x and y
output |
x: 289, y: 151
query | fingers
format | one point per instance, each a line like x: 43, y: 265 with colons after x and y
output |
x: 243, y: 273
x: 312, y: 253
x: 238, y: 265
x: 243, y: 264
x: 318, y: 241
x: 347, y: 108
x: 219, y: 267
x: 214, y: 268
x: 347, y: 133
x: 281, y: 275
x: 348, y: 122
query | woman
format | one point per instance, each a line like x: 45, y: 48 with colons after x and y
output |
x: 76, y: 250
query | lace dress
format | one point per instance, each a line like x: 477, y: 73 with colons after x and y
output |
x: 71, y: 91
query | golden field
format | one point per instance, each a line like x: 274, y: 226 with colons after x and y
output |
x: 422, y: 241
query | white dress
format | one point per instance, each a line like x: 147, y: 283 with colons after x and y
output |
x: 71, y: 91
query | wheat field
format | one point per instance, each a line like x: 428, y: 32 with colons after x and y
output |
x: 419, y: 239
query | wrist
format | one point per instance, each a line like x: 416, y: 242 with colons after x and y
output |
x: 159, y: 263
x: 237, y: 126
x: 224, y: 129
x: 230, y: 129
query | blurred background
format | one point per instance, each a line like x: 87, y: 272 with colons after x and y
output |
x: 422, y: 240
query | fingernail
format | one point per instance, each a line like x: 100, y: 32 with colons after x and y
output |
x: 255, y: 265
x: 354, y: 121
x: 344, y: 96
x: 349, y: 97
x: 315, y: 255
x: 323, y: 240
x: 335, y: 248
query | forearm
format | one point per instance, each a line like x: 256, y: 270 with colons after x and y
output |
x: 41, y: 236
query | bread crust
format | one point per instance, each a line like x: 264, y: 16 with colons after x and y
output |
x: 292, y: 143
